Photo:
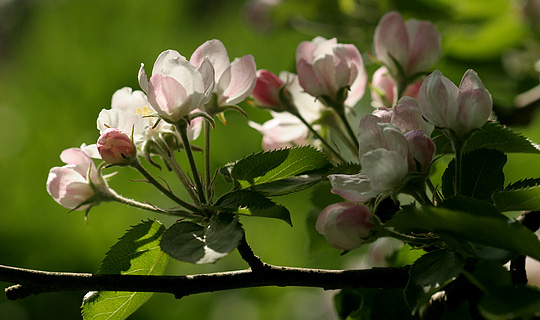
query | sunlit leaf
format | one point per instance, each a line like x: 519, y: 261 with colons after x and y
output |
x: 266, y: 167
x: 518, y: 199
x: 136, y: 253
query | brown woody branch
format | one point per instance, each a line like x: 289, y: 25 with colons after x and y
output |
x: 29, y: 282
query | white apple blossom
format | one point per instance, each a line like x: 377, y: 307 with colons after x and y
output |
x: 176, y: 87
x: 234, y: 81
x: 78, y: 185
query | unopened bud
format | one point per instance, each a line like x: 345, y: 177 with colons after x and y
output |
x: 346, y: 225
x: 115, y: 147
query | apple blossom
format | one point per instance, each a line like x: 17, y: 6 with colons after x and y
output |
x: 132, y: 114
x: 406, y: 115
x: 462, y: 109
x: 176, y: 87
x: 384, y: 89
x: 115, y: 147
x: 328, y: 70
x: 78, y: 185
x: 406, y: 48
x: 234, y: 81
x: 345, y: 225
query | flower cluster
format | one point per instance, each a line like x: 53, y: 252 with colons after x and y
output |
x: 148, y: 123
x: 393, y: 144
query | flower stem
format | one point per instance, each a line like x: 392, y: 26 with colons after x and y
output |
x: 316, y: 134
x: 181, y: 126
x: 168, y: 155
x: 207, y: 169
x: 133, y: 203
x: 137, y: 165
x: 458, y: 145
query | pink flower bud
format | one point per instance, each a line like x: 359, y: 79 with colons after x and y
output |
x: 384, y: 90
x: 266, y: 92
x: 421, y: 151
x: 345, y: 225
x: 325, y: 67
x: 115, y: 147
x: 406, y: 48
x: 462, y: 109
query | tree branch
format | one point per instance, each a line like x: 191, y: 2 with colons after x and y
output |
x: 30, y: 282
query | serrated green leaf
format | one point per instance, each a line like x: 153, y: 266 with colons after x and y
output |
x: 265, y: 167
x: 252, y: 203
x: 289, y: 185
x: 521, y: 184
x: 429, y: 274
x: 482, y: 174
x: 498, y: 232
x: 136, y: 253
x: 190, y: 242
x: 518, y: 200
x: 492, y: 135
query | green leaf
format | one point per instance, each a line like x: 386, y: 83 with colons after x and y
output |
x: 266, y: 167
x: 482, y: 174
x: 483, y: 228
x: 526, y: 183
x: 190, y: 242
x: 429, y: 274
x: 252, y: 203
x: 526, y: 199
x: 136, y: 253
x: 492, y: 135
x: 289, y: 185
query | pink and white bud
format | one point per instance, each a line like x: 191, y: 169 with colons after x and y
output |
x: 115, y: 147
x: 234, y: 81
x: 462, y: 109
x: 406, y: 48
x: 175, y: 88
x: 325, y: 68
x: 345, y: 225
x: 421, y: 151
x: 75, y: 183
x: 384, y: 89
x: 266, y: 92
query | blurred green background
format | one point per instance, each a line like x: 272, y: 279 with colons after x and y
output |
x: 61, y: 61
